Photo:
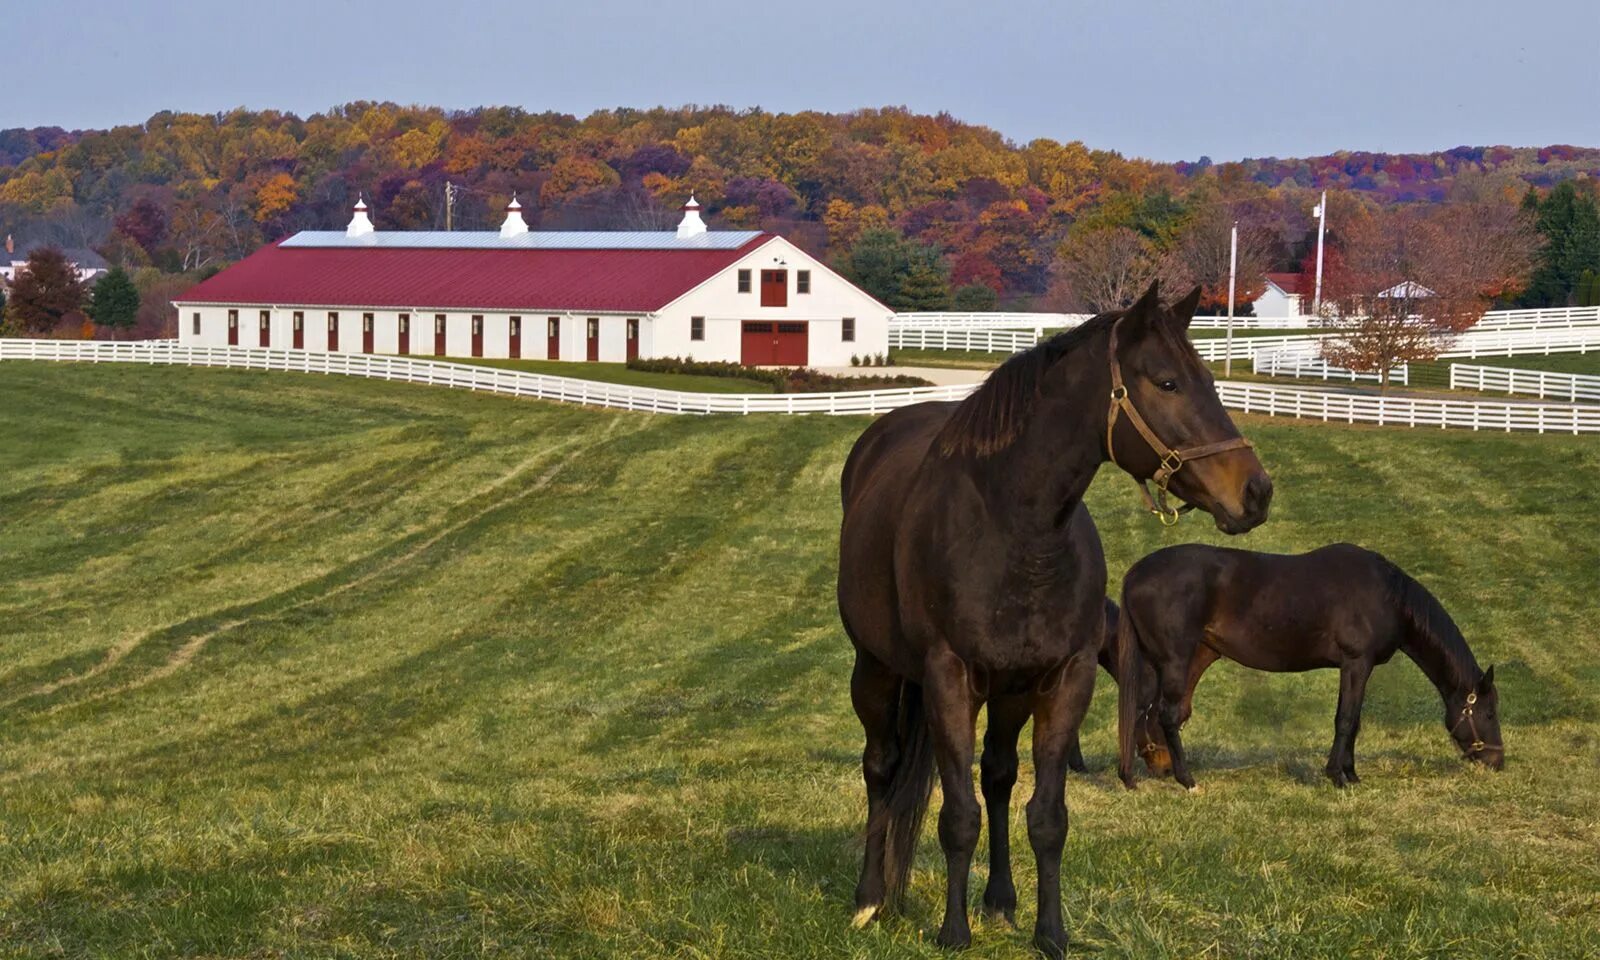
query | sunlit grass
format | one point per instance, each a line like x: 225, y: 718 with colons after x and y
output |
x: 306, y: 666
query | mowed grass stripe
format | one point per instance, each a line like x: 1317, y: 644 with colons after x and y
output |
x: 611, y: 717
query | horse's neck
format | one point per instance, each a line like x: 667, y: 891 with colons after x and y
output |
x: 1448, y: 672
x: 1048, y: 470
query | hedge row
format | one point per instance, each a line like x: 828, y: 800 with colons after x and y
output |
x: 784, y: 380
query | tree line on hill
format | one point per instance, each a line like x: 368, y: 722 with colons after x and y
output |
x: 926, y: 212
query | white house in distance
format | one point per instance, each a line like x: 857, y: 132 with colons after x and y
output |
x: 86, y: 263
x: 740, y: 296
x: 1282, y: 297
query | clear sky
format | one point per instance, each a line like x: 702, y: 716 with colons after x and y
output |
x: 1164, y: 79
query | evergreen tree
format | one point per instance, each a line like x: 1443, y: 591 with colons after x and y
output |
x: 974, y: 298
x: 1570, y: 225
x: 44, y: 291
x: 1589, y: 289
x: 924, y: 287
x: 115, y: 302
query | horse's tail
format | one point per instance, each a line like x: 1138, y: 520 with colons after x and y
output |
x: 1130, y: 674
x: 906, y: 802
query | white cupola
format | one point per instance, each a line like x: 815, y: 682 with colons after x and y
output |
x: 360, y: 226
x: 691, y: 225
x: 514, y: 226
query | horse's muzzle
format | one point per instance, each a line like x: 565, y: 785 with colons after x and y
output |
x: 1254, y: 504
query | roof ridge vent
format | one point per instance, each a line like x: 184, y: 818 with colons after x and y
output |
x: 514, y: 226
x: 691, y: 225
x: 360, y: 224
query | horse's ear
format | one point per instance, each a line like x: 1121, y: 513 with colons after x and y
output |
x: 1137, y: 318
x: 1487, y: 683
x: 1183, y: 310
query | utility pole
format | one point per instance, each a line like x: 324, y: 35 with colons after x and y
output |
x: 449, y: 205
x: 1233, y: 270
x: 1321, y: 214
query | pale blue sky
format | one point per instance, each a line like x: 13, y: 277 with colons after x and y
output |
x: 1163, y: 79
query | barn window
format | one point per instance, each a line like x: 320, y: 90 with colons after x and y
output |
x: 516, y: 326
x: 197, y: 324
x: 847, y: 330
x: 233, y: 319
x: 266, y: 319
x: 405, y: 323
x: 333, y: 322
x: 477, y: 324
x: 552, y: 327
x: 697, y: 328
x: 366, y: 322
x: 438, y: 323
x: 299, y: 320
x: 744, y: 281
x: 802, y: 281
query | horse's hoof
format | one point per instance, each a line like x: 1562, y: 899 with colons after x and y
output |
x: 995, y: 912
x: 1350, y: 777
x: 1338, y: 778
x: 864, y: 916
x: 1052, y: 945
x: 1193, y: 788
x: 954, y: 939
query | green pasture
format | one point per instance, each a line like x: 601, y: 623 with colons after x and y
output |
x: 304, y: 666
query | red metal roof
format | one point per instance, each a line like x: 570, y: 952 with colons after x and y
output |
x: 1287, y: 282
x: 623, y: 281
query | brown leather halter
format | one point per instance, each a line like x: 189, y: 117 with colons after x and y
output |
x: 1478, y: 746
x: 1171, y: 460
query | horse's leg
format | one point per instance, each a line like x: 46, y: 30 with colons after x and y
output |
x: 998, y: 774
x: 1171, y: 679
x: 875, y: 693
x: 1352, y: 689
x: 1075, y: 756
x: 1201, y: 661
x: 1056, y: 717
x: 952, y: 712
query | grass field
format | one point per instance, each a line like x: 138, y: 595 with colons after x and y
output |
x: 301, y: 666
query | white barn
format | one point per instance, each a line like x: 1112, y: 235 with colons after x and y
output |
x: 739, y: 296
x: 1282, y: 298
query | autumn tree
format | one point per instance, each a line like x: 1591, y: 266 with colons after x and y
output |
x: 1205, y: 248
x: 1411, y: 278
x: 114, y: 302
x: 44, y: 291
x: 974, y: 298
x: 1106, y: 269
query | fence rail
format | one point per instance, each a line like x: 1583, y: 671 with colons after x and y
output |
x: 1279, y: 363
x: 954, y: 338
x: 1250, y: 397
x: 1540, y: 383
x: 1541, y: 319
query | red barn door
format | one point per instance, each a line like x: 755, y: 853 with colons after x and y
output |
x: 774, y: 288
x: 765, y: 343
x: 366, y: 333
x: 593, y: 353
x: 552, y: 338
x: 233, y: 328
x: 333, y: 331
x: 633, y: 339
x: 405, y: 334
x: 299, y: 330
x: 516, y: 338
x: 265, y: 332
x: 438, y: 334
x: 477, y: 335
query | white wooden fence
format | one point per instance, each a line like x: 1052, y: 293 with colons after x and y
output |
x: 1280, y: 363
x: 1277, y: 401
x: 1540, y: 383
x: 465, y: 376
x: 953, y: 338
x: 1268, y: 399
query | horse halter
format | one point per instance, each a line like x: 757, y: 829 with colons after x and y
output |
x: 1172, y: 460
x: 1478, y: 746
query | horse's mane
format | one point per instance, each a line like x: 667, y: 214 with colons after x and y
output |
x: 1432, y: 626
x: 993, y: 416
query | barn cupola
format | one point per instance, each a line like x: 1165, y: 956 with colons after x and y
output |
x: 360, y: 225
x: 691, y: 225
x: 514, y: 226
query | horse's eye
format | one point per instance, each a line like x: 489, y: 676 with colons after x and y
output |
x: 1171, y: 386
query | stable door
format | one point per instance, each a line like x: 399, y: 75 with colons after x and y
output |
x: 514, y: 346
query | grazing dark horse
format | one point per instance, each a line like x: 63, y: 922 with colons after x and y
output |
x: 971, y: 574
x: 1338, y: 606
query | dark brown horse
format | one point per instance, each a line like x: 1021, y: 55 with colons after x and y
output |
x: 1152, y: 744
x: 1338, y: 606
x: 971, y: 574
